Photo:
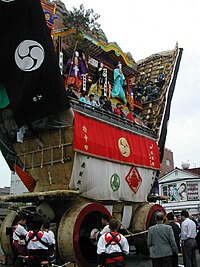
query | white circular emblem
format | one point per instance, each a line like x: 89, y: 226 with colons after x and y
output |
x: 124, y: 147
x: 29, y: 55
x: 7, y: 1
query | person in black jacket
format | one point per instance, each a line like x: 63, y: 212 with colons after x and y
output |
x: 70, y: 93
x: 198, y: 240
x: 177, y: 231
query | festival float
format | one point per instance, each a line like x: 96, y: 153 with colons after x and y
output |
x: 83, y: 161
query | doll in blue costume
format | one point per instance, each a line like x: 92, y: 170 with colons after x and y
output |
x: 119, y: 79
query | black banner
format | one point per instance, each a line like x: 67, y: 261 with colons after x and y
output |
x: 29, y: 68
x: 163, y: 134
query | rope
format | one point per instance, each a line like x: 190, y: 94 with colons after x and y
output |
x: 124, y: 227
x: 130, y: 233
x: 65, y: 264
x: 140, y: 233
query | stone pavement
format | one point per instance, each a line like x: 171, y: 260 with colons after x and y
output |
x: 144, y: 261
x: 136, y: 261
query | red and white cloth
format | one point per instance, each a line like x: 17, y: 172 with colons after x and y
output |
x: 113, y: 247
x: 91, y: 138
x: 35, y: 243
x: 19, y: 231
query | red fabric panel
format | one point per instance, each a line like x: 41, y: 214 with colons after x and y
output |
x: 133, y: 179
x: 105, y: 141
x: 27, y: 180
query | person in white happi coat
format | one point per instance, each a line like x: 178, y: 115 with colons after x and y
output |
x: 112, y: 247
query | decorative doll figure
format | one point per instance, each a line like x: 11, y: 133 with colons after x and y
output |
x: 98, y: 81
x: 82, y: 63
x: 75, y: 69
x: 72, y: 66
x: 119, y: 80
x: 75, y: 64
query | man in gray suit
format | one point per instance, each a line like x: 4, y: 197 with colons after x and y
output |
x: 161, y: 243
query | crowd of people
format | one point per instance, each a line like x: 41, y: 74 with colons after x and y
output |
x: 37, y: 242
x: 146, y: 90
x: 168, y: 238
x: 105, y: 104
x: 165, y: 240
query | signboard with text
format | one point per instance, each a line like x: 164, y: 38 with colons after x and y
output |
x: 192, y: 190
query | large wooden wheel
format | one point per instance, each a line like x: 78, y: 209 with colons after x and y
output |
x: 144, y: 216
x: 5, y: 237
x: 74, y: 229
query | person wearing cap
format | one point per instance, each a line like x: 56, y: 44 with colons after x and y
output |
x: 161, y: 243
x: 176, y: 230
x: 189, y: 245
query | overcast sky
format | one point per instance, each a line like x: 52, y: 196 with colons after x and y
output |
x: 146, y: 27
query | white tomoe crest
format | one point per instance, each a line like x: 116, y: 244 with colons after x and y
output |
x: 29, y: 55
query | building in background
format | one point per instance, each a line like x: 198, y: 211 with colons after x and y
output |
x: 167, y: 164
x: 4, y: 191
x: 17, y: 187
x: 3, y: 205
x: 182, y: 186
